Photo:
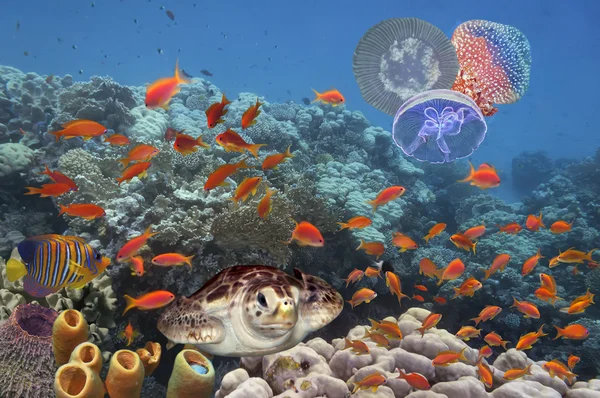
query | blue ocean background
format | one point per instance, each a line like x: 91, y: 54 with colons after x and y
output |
x: 283, y: 49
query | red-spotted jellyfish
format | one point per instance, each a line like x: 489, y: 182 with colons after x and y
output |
x: 439, y: 126
x: 495, y: 63
x: 401, y: 57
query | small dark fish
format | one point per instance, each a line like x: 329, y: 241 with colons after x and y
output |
x: 106, y: 56
x: 93, y: 5
x: 187, y: 75
x: 159, y: 51
x: 170, y: 15
x: 26, y: 53
x: 162, y: 7
x: 289, y: 92
x: 306, y: 101
x: 134, y: 20
x: 205, y: 72
x: 74, y: 47
x: 49, y: 79
x: 276, y: 46
x: 81, y: 71
x: 253, y: 66
x: 18, y: 25
x: 220, y: 48
x: 59, y: 39
x: 266, y: 33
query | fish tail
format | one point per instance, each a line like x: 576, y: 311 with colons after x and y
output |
x: 477, y: 320
x: 57, y: 134
x: 179, y: 77
x: 541, y: 222
x: 541, y: 330
x: 528, y: 369
x: 288, y: 152
x: 224, y: 100
x: 47, y: 171
x: 356, y: 387
x: 440, y: 281
x: 374, y: 324
x: 374, y: 204
x: 253, y: 149
x: 362, y: 244
x: 317, y: 95
x: 15, y: 270
x: 188, y: 261
x: 63, y: 209
x: 539, y: 254
x: 471, y: 173
x: 422, y: 330
x: 456, y: 293
x: 347, y: 343
x: 504, y: 343
x: 33, y: 191
x: 487, y: 273
x: 462, y: 355
x: 120, y: 180
x: 426, y: 238
x: 474, y: 246
x: 367, y: 333
x: 351, y: 303
x: 243, y: 165
x: 124, y: 162
x: 342, y: 225
x: 559, y: 332
x: 130, y: 303
x: 515, y: 302
x: 588, y: 256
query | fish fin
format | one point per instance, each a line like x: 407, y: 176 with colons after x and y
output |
x: 288, y: 153
x: 471, y: 173
x: 36, y: 290
x: 317, y: 95
x: 253, y: 149
x: 124, y: 162
x: 79, y: 285
x: 403, y: 250
x: 69, y: 137
x: 188, y: 260
x: 63, y: 209
x: 77, y: 269
x: 33, y: 191
x: 15, y: 270
x: 86, y: 138
x: 130, y: 303
x: 224, y: 100
x: 559, y: 333
x: 57, y: 134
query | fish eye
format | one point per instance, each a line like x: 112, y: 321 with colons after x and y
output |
x: 98, y: 256
x: 262, y: 300
x: 320, y: 240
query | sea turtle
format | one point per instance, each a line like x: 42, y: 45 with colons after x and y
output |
x: 251, y: 310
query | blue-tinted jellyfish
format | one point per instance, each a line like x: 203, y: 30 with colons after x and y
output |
x: 439, y: 126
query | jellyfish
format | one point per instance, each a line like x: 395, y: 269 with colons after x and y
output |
x: 495, y: 63
x: 439, y: 126
x: 401, y: 57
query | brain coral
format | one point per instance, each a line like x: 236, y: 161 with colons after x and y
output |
x: 14, y: 158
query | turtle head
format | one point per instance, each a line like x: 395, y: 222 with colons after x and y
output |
x: 271, y: 311
x: 319, y: 303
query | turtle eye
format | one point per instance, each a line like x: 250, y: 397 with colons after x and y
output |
x: 262, y: 300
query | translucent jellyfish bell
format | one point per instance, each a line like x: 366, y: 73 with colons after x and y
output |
x: 401, y: 57
x: 439, y: 126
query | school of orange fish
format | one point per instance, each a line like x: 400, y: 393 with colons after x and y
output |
x: 138, y: 161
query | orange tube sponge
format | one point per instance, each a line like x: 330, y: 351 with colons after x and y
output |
x: 70, y: 329
x: 88, y: 354
x: 76, y: 380
x: 150, y: 356
x: 125, y: 375
x: 193, y: 376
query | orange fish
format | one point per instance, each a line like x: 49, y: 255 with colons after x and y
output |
x: 372, y: 272
x: 22, y: 132
x: 573, y: 332
x: 593, y: 264
x: 485, y: 177
x: 378, y: 338
x: 467, y: 288
x: 559, y: 369
x: 83, y: 210
x: 137, y: 266
x: 530, y: 263
x: 215, y: 112
x: 388, y: 328
x: 266, y: 204
x: 306, y: 234
x: 462, y: 242
x: 149, y: 301
x: 358, y: 346
x: 135, y: 170
x: 363, y: 295
x: 354, y: 276
x: 246, y: 188
x: 575, y: 270
x: 128, y: 334
x: 404, y: 242
x: 475, y: 232
x: 526, y: 341
x: 249, y: 117
x: 445, y: 358
x: 218, y: 177
x: 560, y: 227
x: 386, y: 196
x: 454, y: 270
x: 494, y: 339
x: 513, y: 228
x: 59, y: 178
x: 418, y: 297
x: 159, y: 93
x: 421, y: 288
x: 486, y: 314
x: 332, y: 97
x: 516, y: 373
x: 579, y: 305
x: 430, y: 321
x: 440, y: 300
x: 553, y: 262
x: 140, y: 153
x: 485, y: 351
x: 358, y: 222
x: 572, y: 361
x: 486, y: 376
x: 428, y: 268
x: 186, y: 144
x: 117, y: 140
x: 372, y: 248
x: 499, y: 263
x: 415, y: 380
x: 171, y: 259
x: 545, y: 295
x: 467, y: 333
x: 575, y: 256
x: 131, y: 248
x: 372, y: 381
x: 529, y: 310
x: 46, y: 190
x: 233, y: 142
x: 273, y: 161
x: 85, y: 129
x: 435, y: 231
x: 534, y: 223
x: 392, y: 281
x: 548, y: 282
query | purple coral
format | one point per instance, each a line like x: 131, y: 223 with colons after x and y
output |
x: 26, y: 360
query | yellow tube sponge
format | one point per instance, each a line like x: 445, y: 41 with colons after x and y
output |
x: 150, y: 356
x: 125, y: 375
x: 69, y: 330
x: 88, y: 354
x: 193, y: 376
x: 75, y: 380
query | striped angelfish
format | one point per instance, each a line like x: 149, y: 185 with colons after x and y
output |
x: 51, y: 262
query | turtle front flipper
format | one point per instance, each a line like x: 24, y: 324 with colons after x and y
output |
x: 185, y: 322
